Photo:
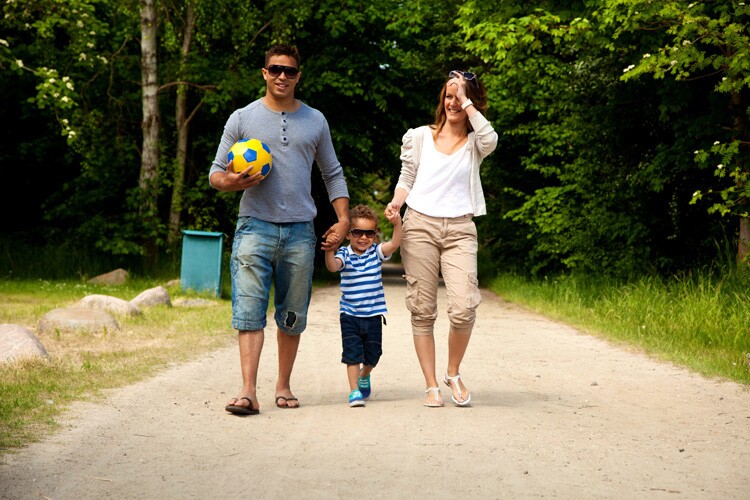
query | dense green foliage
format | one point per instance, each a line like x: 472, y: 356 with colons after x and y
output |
x: 623, y: 124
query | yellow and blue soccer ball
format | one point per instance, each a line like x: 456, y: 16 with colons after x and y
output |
x: 251, y: 152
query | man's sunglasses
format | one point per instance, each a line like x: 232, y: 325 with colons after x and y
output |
x: 358, y: 233
x: 276, y: 69
x: 468, y: 75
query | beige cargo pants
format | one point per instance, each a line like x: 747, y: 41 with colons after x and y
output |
x: 434, y: 245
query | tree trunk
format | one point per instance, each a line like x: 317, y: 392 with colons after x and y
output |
x: 183, y: 127
x: 743, y: 257
x: 150, y: 126
x: 739, y: 125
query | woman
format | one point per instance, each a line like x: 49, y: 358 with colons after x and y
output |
x: 440, y: 184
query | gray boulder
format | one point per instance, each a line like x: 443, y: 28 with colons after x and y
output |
x: 116, y: 277
x: 78, y: 319
x: 18, y: 342
x: 114, y: 305
x: 152, y: 297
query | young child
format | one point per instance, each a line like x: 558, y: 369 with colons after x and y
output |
x: 362, y: 296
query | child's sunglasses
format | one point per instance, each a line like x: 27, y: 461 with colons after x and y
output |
x: 276, y: 69
x: 358, y: 233
x: 468, y: 75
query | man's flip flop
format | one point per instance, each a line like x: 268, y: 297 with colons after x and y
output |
x: 242, y: 410
x: 285, y: 400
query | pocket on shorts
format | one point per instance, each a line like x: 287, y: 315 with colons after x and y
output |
x: 413, y: 302
x: 473, y: 295
x: 242, y: 222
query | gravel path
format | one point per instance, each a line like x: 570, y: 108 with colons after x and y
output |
x: 556, y: 413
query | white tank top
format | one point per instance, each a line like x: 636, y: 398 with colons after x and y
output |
x: 441, y: 188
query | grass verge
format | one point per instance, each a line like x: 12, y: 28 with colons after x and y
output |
x: 700, y: 321
x: 81, y: 365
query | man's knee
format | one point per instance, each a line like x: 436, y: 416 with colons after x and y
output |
x: 291, y: 322
x: 291, y: 319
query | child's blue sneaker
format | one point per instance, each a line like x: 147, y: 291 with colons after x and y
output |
x: 356, y: 399
x: 364, y: 386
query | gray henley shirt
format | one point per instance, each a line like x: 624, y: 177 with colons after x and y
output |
x: 296, y: 140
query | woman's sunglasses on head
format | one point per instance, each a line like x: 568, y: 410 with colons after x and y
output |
x: 358, y: 233
x: 468, y: 75
x: 276, y: 69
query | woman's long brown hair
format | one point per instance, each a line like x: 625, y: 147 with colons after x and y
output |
x: 474, y: 91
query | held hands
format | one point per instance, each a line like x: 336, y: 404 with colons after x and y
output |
x: 392, y: 211
x: 335, y: 236
x: 393, y: 216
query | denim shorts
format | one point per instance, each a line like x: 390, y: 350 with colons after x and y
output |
x: 265, y: 253
x: 362, y: 339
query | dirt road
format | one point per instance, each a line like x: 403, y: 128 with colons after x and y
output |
x: 555, y: 413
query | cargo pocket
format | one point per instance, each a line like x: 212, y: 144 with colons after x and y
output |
x: 412, y: 294
x: 473, y: 295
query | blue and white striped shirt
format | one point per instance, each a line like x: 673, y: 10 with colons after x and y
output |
x: 362, y: 282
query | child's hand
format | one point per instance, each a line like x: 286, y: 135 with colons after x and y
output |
x: 391, y: 210
x: 393, y: 216
x: 334, y: 236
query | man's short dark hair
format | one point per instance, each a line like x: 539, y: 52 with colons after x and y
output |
x: 283, y: 50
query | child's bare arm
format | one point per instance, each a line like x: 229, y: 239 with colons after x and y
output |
x: 389, y: 247
x: 332, y: 263
x: 399, y: 196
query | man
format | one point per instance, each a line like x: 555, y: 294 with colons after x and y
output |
x: 274, y: 240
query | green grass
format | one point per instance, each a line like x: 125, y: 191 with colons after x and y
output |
x: 700, y: 321
x: 33, y: 393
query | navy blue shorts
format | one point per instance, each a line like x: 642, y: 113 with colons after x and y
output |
x: 362, y: 339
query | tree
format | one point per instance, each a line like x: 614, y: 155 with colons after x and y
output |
x: 188, y: 22
x: 594, y: 167
x: 561, y: 180
x: 182, y: 122
x: 375, y: 69
x: 150, y: 125
x: 77, y: 54
x: 708, y: 40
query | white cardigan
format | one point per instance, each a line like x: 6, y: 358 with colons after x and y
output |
x: 481, y: 142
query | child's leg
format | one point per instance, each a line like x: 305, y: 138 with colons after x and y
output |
x: 352, y: 349
x: 373, y: 344
x: 373, y: 349
x: 352, y: 373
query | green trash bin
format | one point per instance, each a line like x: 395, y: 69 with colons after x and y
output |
x: 200, y: 269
